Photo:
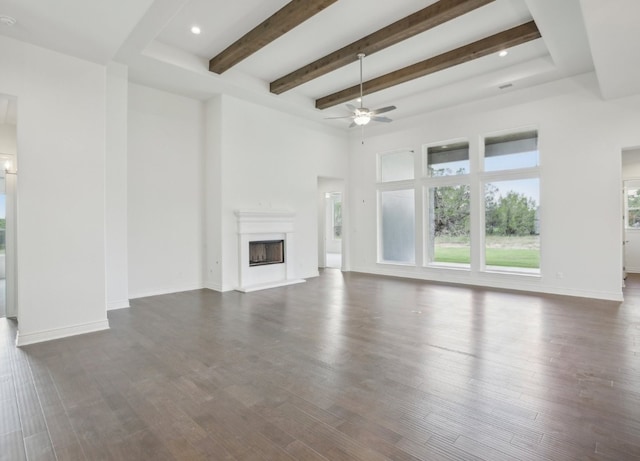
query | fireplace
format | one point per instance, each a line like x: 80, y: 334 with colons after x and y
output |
x: 263, y: 252
x: 266, y: 249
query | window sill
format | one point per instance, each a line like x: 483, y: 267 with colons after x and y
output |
x: 535, y: 273
x: 453, y: 266
x: 397, y: 263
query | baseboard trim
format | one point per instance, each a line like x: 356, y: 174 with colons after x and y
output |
x: 530, y: 284
x: 59, y: 333
x: 215, y: 287
x: 115, y: 305
x: 166, y: 291
x: 266, y: 286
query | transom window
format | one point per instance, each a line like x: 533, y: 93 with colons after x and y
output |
x: 511, y: 151
x: 448, y: 159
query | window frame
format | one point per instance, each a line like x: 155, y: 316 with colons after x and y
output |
x: 512, y: 174
x: 475, y: 179
x: 399, y: 186
x: 424, y: 173
x: 388, y: 186
x: 428, y: 182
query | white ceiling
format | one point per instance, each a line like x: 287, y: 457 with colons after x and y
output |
x: 152, y: 37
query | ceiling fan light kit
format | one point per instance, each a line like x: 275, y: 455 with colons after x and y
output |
x: 361, y: 116
x: 361, y: 119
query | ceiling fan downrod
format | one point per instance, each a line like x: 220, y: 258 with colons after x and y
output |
x: 360, y: 57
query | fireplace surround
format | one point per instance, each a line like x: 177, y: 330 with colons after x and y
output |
x: 270, y: 261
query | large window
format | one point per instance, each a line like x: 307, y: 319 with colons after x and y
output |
x: 512, y: 227
x: 512, y: 202
x: 448, y: 204
x: 475, y: 206
x: 449, y: 224
x: 398, y: 229
x: 397, y: 209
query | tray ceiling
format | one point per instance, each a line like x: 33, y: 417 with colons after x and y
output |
x: 153, y: 38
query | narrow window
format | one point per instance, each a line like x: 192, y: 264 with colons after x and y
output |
x: 632, y: 190
x: 397, y: 226
x: 337, y: 216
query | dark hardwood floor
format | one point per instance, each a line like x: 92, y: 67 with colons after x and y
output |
x: 343, y: 367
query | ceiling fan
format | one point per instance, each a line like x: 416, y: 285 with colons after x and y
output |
x: 361, y: 115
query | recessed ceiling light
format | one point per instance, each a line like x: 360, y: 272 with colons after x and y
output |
x: 503, y: 53
x: 195, y: 30
x: 7, y: 20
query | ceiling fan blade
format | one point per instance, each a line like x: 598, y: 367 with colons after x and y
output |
x: 381, y: 119
x: 333, y: 118
x: 353, y: 124
x: 351, y: 107
x: 382, y: 110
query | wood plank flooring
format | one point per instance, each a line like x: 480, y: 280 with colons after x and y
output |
x: 343, y: 367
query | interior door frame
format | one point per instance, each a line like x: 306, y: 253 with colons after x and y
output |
x: 8, y: 170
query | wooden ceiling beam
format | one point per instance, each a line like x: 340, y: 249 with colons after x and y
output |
x: 416, y: 23
x: 289, y: 16
x: 500, y: 41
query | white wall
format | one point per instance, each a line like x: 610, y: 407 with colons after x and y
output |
x: 271, y: 160
x: 212, y: 269
x: 116, y: 188
x: 580, y: 140
x: 165, y: 192
x: 61, y: 134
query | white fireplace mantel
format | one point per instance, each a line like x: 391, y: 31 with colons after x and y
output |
x: 265, y: 225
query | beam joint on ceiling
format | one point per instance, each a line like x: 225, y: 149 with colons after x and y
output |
x: 289, y: 16
x: 414, y: 24
x: 486, y: 46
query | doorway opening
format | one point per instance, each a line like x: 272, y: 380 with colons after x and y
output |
x: 8, y: 152
x: 333, y: 234
x: 330, y: 223
x: 630, y: 213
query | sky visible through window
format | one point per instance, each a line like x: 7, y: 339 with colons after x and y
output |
x: 528, y: 187
x: 511, y: 161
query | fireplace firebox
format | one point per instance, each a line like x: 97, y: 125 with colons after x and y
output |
x: 265, y: 252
